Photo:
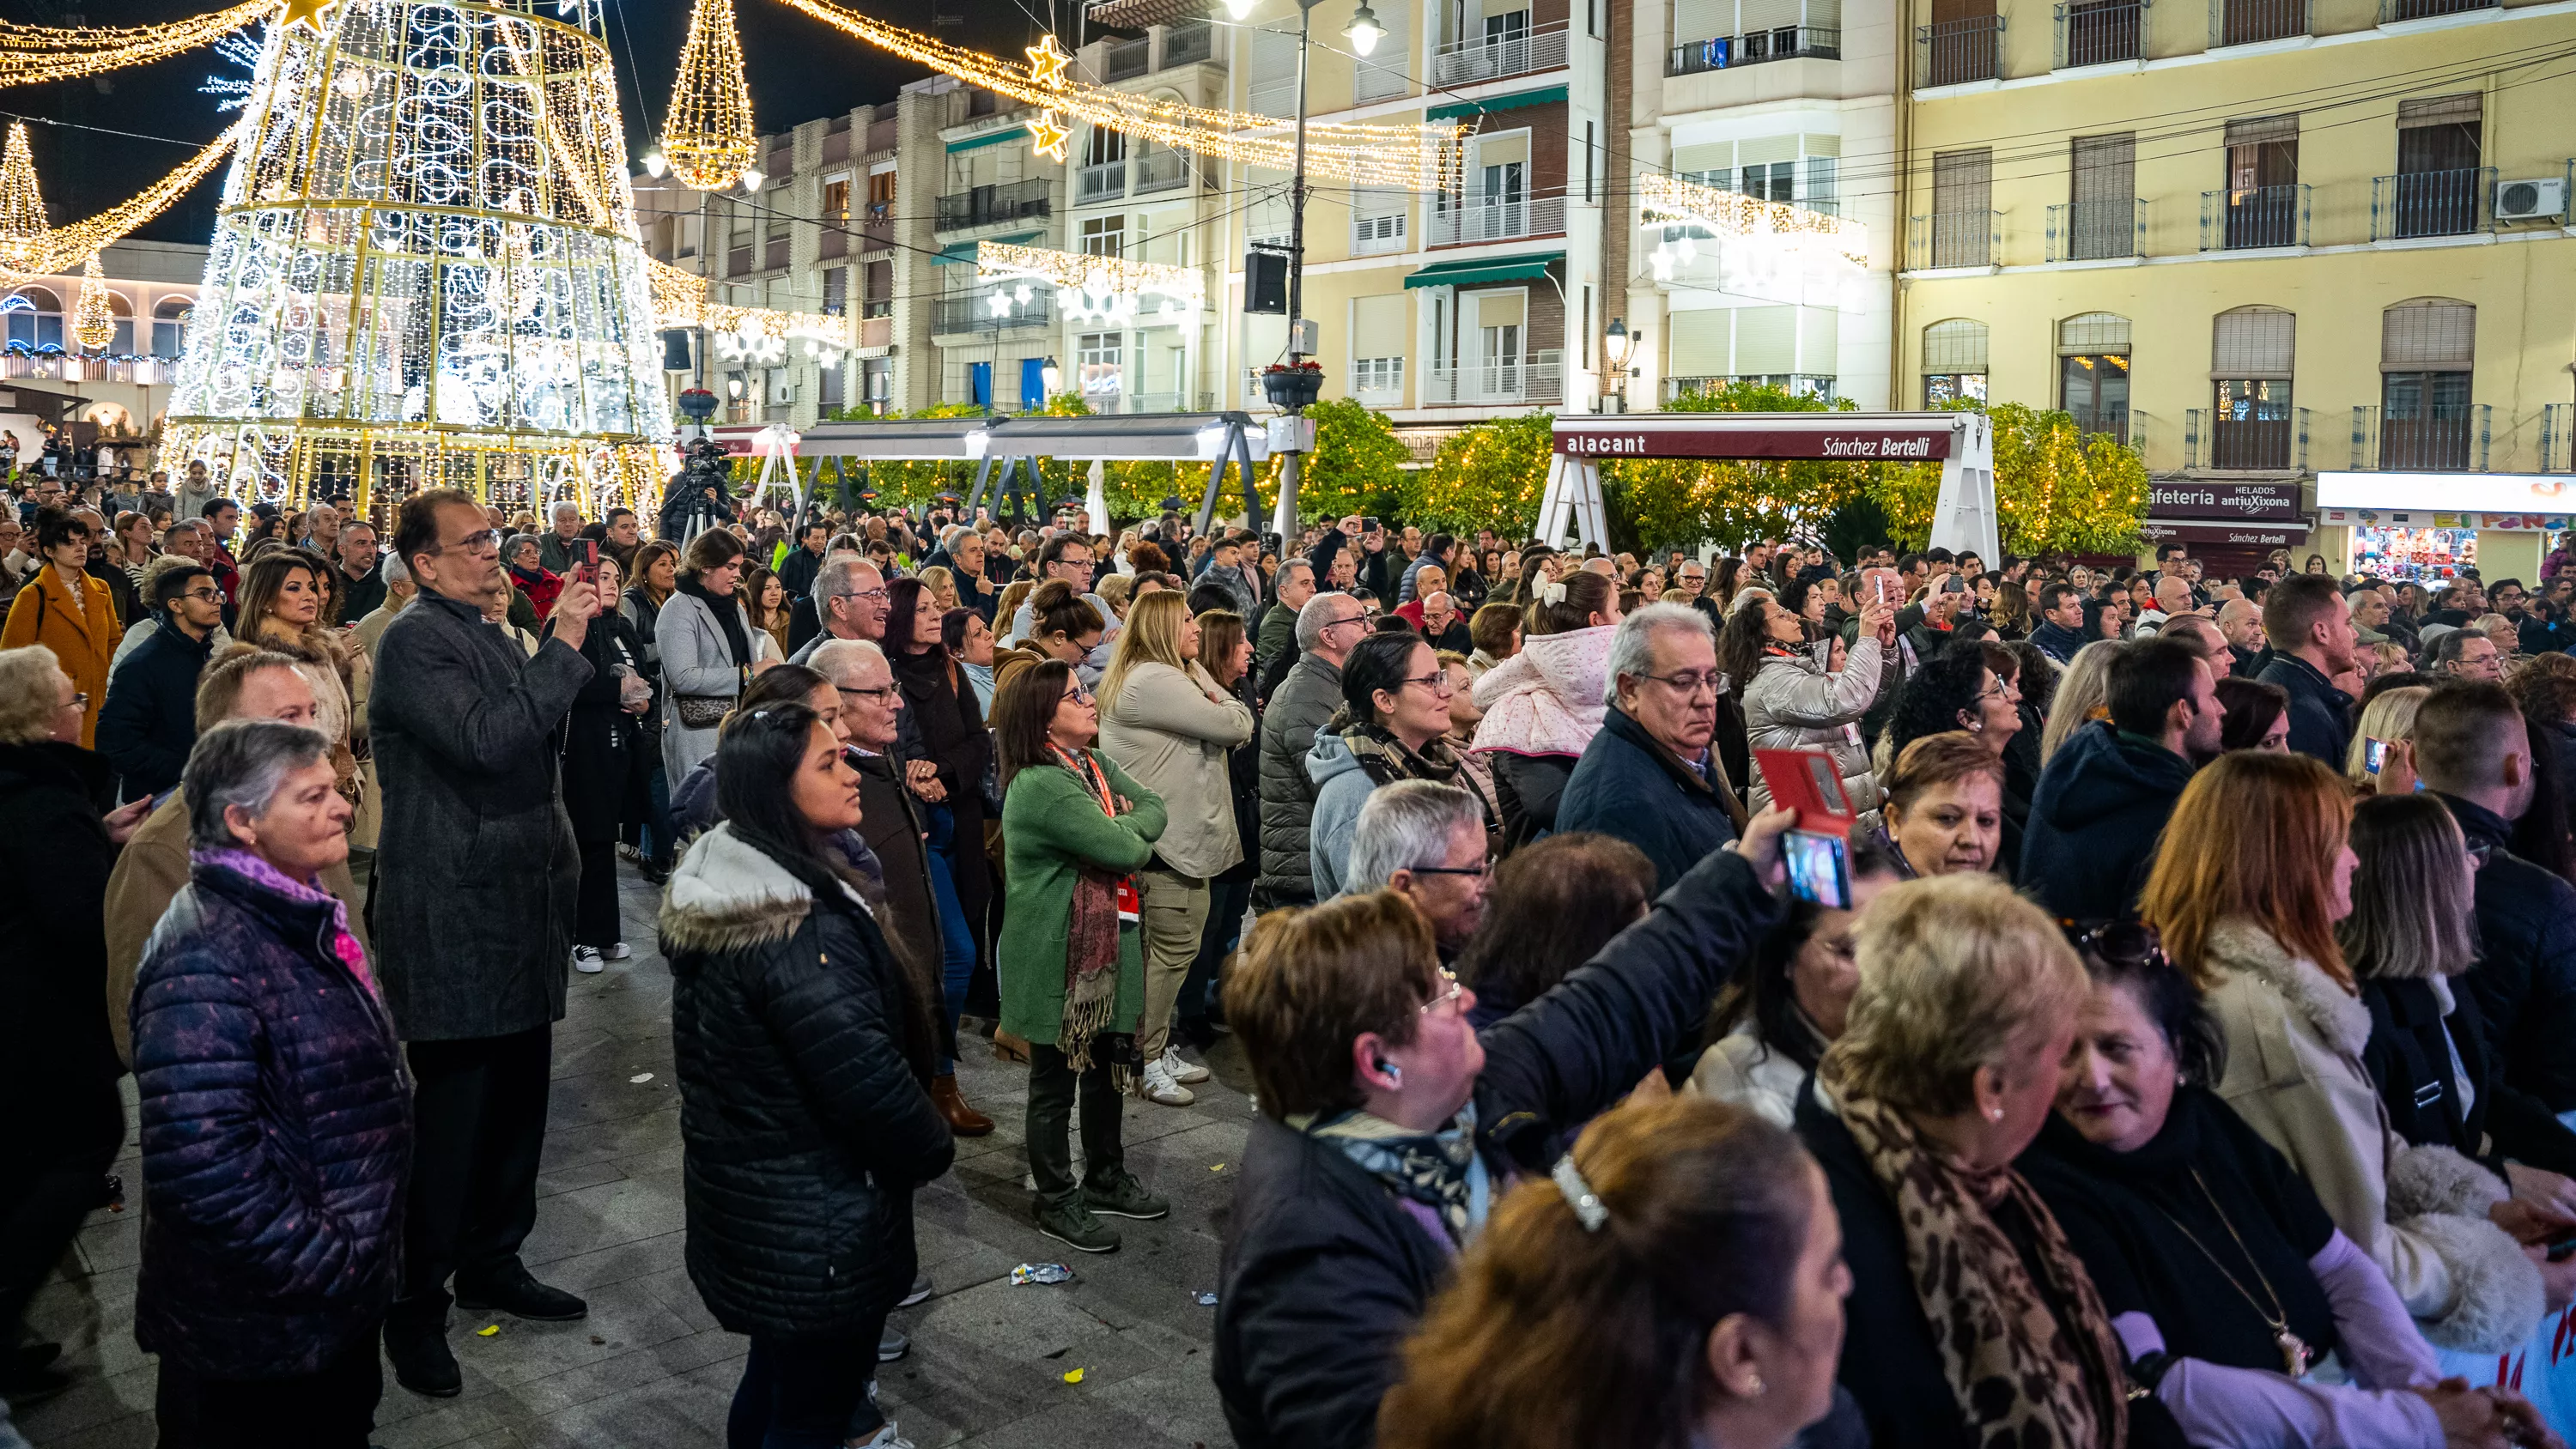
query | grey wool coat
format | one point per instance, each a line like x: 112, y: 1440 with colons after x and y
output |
x: 476, y: 867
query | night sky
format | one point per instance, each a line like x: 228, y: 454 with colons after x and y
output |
x: 798, y: 69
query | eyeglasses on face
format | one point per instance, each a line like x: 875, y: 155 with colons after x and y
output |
x: 1451, y: 989
x: 1078, y: 694
x: 1688, y: 682
x: 486, y: 540
x: 1437, y: 682
x: 886, y: 691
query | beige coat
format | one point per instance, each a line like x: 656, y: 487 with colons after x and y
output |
x: 1166, y: 733
x: 149, y: 872
x: 2294, y: 1072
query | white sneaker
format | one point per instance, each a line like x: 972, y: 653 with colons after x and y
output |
x: 887, y: 1438
x: 618, y: 952
x: 1158, y: 1086
x: 1182, y: 1071
x: 585, y: 959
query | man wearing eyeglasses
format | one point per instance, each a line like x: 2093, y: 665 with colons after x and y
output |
x: 1327, y: 628
x: 1425, y: 841
x: 1650, y: 777
x: 477, y: 871
x: 149, y: 721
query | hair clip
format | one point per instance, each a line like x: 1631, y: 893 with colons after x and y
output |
x: 1588, y: 1208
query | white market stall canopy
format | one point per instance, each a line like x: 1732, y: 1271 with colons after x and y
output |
x: 1962, y: 443
x: 1016, y: 445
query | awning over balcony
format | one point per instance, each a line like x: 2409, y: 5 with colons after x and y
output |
x: 1484, y: 269
x: 965, y: 251
x: 993, y: 137
x: 1458, y: 110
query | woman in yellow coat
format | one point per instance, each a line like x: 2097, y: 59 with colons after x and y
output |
x: 69, y: 612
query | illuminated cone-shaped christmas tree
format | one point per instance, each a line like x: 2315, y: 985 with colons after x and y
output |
x: 425, y: 269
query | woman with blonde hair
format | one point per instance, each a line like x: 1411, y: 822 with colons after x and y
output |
x: 2082, y: 690
x: 2255, y: 870
x: 942, y: 585
x: 1971, y: 1320
x: 2388, y: 721
x: 1167, y: 723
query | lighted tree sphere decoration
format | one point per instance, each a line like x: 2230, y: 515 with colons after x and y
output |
x: 425, y: 270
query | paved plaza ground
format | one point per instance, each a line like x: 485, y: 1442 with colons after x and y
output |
x: 650, y: 1367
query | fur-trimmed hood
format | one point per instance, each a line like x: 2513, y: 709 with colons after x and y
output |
x: 2337, y: 1015
x: 727, y: 894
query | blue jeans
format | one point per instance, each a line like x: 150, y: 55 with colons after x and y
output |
x: 956, y: 936
x: 806, y: 1393
x: 658, y: 842
x: 1226, y: 900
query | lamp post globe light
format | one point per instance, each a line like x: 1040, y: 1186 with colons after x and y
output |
x: 1617, y: 346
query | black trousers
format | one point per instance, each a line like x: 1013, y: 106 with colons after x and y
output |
x: 1052, y: 1089
x: 331, y: 1408
x: 478, y: 1127
x: 50, y: 1187
x: 595, y: 918
x: 805, y: 1392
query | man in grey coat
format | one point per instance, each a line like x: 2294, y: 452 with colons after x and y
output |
x: 476, y: 871
x: 1326, y: 629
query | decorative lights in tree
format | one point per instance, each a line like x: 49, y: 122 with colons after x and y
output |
x: 93, y: 319
x: 1489, y: 475
x: 2058, y: 489
x: 425, y: 269
x: 708, y: 138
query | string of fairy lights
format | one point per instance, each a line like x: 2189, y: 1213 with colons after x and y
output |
x: 708, y: 141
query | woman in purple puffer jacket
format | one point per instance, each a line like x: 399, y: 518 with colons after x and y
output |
x: 276, y: 1116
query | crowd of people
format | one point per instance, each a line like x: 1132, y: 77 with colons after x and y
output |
x: 2187, y: 1055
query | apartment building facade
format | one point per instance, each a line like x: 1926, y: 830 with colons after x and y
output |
x: 2263, y: 240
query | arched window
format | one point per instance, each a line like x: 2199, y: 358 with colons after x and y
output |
x: 2427, y: 346
x: 123, y: 311
x: 2250, y: 355
x: 170, y: 325
x: 35, y: 319
x: 2093, y: 372
x: 1954, y: 361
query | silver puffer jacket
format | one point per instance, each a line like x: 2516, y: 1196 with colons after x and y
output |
x: 1793, y: 704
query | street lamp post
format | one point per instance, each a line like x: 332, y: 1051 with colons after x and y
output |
x: 1617, y: 346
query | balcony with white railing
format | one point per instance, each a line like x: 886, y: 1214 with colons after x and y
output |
x: 1161, y: 169
x: 1104, y: 182
x: 1494, y: 57
x: 1506, y: 382
x: 1492, y: 218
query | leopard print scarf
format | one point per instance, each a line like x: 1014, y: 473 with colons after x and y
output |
x: 2024, y: 1377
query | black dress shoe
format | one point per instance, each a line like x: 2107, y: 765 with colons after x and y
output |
x: 522, y: 1297
x: 422, y: 1363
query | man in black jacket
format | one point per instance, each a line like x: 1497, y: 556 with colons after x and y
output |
x: 1354, y: 1194
x: 2109, y: 790
x: 148, y: 722
x: 2061, y: 628
x: 473, y: 915
x: 2312, y: 641
x: 2473, y: 748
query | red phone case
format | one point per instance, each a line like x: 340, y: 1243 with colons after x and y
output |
x: 1808, y: 782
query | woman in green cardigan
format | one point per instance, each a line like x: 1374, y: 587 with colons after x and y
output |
x: 1074, y: 826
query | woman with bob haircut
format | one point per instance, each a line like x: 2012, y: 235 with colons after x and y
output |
x: 2255, y: 870
x: 1677, y: 1284
x: 1945, y: 806
x: 1971, y: 1321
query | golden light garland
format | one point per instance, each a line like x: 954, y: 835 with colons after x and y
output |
x: 708, y: 138
x: 1420, y: 157
x: 93, y: 319
x: 33, y: 54
x: 1664, y: 200
x: 1105, y: 289
x: 680, y: 299
x: 59, y: 251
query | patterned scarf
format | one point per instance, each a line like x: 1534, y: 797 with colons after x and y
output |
x: 1091, y: 946
x: 268, y: 877
x: 1387, y: 759
x: 2021, y: 1374
x: 1435, y: 1169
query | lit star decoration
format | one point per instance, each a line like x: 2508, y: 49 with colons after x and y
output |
x: 1047, y: 135
x: 306, y: 12
x: 93, y: 318
x: 1095, y: 289
x: 1417, y: 157
x: 1047, y: 61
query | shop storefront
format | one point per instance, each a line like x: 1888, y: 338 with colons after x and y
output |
x: 2428, y: 527
x: 2229, y: 526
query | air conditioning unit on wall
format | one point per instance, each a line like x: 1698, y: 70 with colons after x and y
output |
x: 782, y: 392
x: 2530, y: 200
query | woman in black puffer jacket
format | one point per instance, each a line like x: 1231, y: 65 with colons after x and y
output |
x: 804, y: 1065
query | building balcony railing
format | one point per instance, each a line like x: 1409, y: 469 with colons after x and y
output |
x: 1374, y: 236
x: 1188, y: 42
x: 1725, y: 52
x: 2430, y: 203
x: 63, y: 367
x: 2251, y: 22
x: 1106, y: 181
x: 1514, y: 52
x: 975, y: 314
x: 1954, y: 52
x: 1129, y: 59
x: 2261, y: 216
x: 1492, y: 219
x: 2103, y: 32
x: 2216, y: 438
x: 1802, y: 383
x: 2439, y: 439
x: 876, y: 226
x: 1954, y: 239
x: 2093, y: 231
x: 2391, y: 11
x: 1492, y: 384
x: 1127, y: 404
x: 1160, y: 169
x: 986, y: 205
x: 2558, y: 438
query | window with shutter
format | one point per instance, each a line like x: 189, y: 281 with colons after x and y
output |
x: 1702, y: 344
x: 2252, y: 342
x: 2251, y: 352
x: 1766, y: 341
x: 1381, y: 74
x: 1273, y: 74
x: 2425, y: 348
x: 2428, y: 334
x: 1817, y: 331
x: 1710, y: 163
x: 1381, y: 329
x: 2104, y: 197
x: 1962, y: 197
x: 1957, y: 345
x: 1702, y: 19
x: 2094, y: 332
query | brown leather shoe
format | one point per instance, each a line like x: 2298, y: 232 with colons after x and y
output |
x: 963, y: 1120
